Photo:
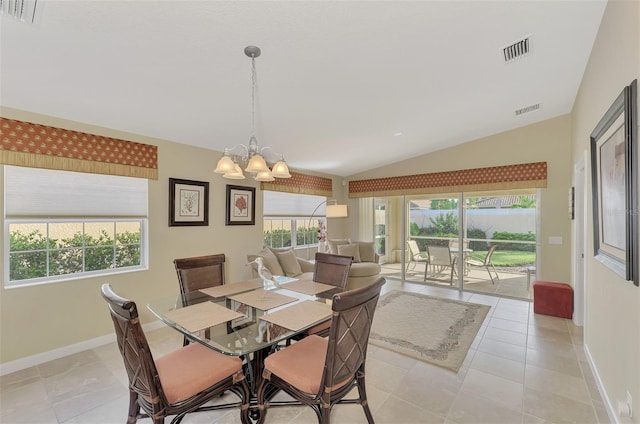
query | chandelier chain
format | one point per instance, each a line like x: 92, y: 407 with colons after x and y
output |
x: 253, y: 95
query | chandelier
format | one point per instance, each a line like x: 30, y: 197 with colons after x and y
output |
x: 252, y: 154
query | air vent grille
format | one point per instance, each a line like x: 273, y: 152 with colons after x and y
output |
x: 527, y: 109
x: 516, y: 50
x: 23, y: 10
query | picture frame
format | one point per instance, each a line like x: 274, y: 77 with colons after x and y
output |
x: 614, y: 175
x: 241, y: 205
x: 188, y: 203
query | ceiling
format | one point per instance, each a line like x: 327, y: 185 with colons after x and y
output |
x: 338, y: 81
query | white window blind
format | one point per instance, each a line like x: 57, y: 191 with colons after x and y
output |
x: 287, y: 204
x: 35, y: 192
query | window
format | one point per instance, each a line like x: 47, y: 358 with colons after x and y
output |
x: 291, y: 220
x: 61, y: 225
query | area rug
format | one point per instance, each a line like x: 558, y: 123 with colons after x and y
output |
x: 432, y: 329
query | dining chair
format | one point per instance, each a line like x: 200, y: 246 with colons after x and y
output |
x: 178, y: 383
x: 486, y: 263
x: 200, y: 272
x: 440, y: 258
x: 197, y: 273
x: 415, y: 255
x: 320, y: 372
x: 333, y: 270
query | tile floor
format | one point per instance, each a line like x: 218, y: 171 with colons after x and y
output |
x: 522, y: 368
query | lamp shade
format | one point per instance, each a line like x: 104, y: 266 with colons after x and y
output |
x: 257, y: 164
x: 264, y: 176
x: 336, y: 211
x: 281, y: 170
x: 236, y: 174
x: 225, y: 164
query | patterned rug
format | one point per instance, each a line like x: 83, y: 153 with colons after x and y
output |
x: 432, y: 329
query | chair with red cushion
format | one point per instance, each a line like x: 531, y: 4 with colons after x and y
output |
x: 177, y: 383
x: 320, y: 372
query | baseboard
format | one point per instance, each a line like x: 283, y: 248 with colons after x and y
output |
x: 40, y: 358
x: 613, y: 417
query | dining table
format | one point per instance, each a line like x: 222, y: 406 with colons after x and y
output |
x: 248, y: 318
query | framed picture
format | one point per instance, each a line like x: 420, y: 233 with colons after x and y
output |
x: 614, y: 173
x: 241, y: 205
x: 188, y: 203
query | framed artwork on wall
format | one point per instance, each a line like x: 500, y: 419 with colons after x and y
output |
x: 614, y: 173
x: 188, y: 203
x: 241, y: 205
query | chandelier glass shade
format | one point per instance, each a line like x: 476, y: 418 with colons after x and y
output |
x: 252, y: 154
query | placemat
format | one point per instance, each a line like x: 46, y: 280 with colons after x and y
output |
x: 202, y: 315
x: 263, y: 299
x: 228, y: 289
x: 307, y: 287
x: 300, y: 315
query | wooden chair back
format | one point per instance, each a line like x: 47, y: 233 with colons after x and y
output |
x: 332, y: 269
x: 200, y: 272
x: 134, y: 348
x: 353, y: 313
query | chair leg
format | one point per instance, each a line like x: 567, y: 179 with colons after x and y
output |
x: 134, y: 407
x: 491, y: 276
x: 363, y: 398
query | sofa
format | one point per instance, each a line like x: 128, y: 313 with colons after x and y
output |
x: 364, y: 269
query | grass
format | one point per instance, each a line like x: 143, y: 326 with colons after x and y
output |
x: 506, y: 257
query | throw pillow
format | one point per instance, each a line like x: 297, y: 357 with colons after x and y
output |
x: 333, y: 245
x: 349, y: 250
x: 289, y: 263
x: 270, y: 260
x: 367, y: 251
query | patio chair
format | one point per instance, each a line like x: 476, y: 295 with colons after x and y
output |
x: 440, y: 258
x: 197, y: 273
x: 486, y: 263
x: 178, y: 383
x: 415, y: 255
x: 320, y: 372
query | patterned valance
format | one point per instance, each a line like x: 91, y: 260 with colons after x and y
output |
x: 41, y: 146
x: 301, y: 184
x: 526, y: 175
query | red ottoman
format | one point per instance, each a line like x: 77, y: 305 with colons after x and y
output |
x: 551, y: 298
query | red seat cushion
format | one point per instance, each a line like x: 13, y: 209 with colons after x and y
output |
x: 192, y: 369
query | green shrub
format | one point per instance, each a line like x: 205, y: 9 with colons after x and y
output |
x: 476, y: 233
x: 504, y: 235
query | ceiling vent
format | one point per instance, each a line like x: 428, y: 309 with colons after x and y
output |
x: 527, y: 109
x: 516, y: 50
x: 22, y: 10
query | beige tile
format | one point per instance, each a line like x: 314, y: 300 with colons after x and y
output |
x: 550, y: 334
x: 557, y: 348
x: 26, y: 403
x: 429, y: 387
x: 497, y: 389
x: 67, y: 363
x: 396, y: 410
x: 510, y: 315
x: 504, y: 324
x: 25, y: 376
x: 557, y: 409
x: 383, y: 376
x: 511, y: 337
x: 503, y: 350
x: 548, y: 321
x: 469, y: 408
x: 556, y: 382
x: 81, y: 389
x: 501, y: 367
x: 601, y: 412
x: 548, y: 360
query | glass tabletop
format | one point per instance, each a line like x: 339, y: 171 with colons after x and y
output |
x: 242, y: 335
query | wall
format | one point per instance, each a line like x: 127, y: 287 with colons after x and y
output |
x: 545, y: 141
x: 612, y: 322
x: 46, y: 317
